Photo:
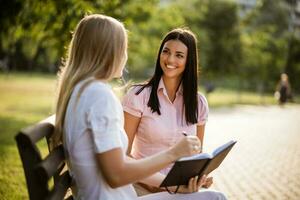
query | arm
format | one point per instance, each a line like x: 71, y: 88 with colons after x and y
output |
x: 200, y: 133
x: 203, y: 111
x: 152, y: 180
x: 131, y: 124
x: 118, y: 170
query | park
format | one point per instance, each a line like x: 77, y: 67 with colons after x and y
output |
x: 243, y: 50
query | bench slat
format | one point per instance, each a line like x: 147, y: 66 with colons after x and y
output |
x: 38, y: 131
x: 39, y: 171
x: 53, y: 162
x: 61, y: 187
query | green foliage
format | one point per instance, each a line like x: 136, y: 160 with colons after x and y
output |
x: 145, y: 39
x: 39, y: 37
x: 293, y: 64
x: 221, y: 23
x: 257, y: 47
x: 264, y: 45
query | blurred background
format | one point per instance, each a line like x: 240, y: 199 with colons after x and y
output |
x: 244, y: 46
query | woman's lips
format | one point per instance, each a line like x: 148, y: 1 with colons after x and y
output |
x: 170, y: 67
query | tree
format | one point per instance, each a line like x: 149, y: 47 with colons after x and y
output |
x: 36, y: 33
x: 221, y: 24
x: 147, y: 35
x: 293, y: 63
x: 264, y: 44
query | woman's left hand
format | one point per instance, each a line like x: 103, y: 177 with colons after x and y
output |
x: 195, y: 184
x: 208, y: 183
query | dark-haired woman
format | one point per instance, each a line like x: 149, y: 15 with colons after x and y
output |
x: 158, y: 112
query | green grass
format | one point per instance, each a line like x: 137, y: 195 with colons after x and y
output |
x: 24, y: 99
x: 224, y: 97
x: 28, y: 98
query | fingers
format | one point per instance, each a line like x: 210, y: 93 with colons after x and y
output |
x: 208, y: 183
x: 202, y: 181
x: 187, y: 146
x: 195, y: 185
x: 209, y: 180
x: 194, y: 144
x: 194, y: 140
x: 190, y: 186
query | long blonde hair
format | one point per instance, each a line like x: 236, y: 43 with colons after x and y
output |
x: 98, y: 49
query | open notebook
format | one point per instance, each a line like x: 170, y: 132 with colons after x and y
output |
x: 196, y: 165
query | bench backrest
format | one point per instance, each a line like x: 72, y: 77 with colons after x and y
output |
x: 39, y: 171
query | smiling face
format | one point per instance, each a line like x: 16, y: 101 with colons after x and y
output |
x: 173, y: 59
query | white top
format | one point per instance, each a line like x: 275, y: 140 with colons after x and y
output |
x: 94, y: 124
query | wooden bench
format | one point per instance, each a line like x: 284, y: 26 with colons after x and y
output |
x: 39, y: 171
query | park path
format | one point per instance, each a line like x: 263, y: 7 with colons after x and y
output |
x: 265, y: 163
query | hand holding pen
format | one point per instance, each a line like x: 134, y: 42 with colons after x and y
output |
x: 196, y: 148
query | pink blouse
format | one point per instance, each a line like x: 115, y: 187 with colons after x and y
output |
x: 156, y: 133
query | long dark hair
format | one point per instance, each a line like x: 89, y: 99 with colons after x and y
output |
x: 189, y: 78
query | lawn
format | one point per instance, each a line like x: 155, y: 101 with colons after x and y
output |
x: 24, y: 99
x: 28, y: 98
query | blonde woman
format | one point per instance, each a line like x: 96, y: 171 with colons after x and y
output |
x: 89, y: 117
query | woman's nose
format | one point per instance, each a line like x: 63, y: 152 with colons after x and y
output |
x: 170, y: 59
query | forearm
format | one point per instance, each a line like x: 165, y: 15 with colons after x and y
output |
x: 145, y: 170
x: 200, y: 133
x: 120, y: 170
x: 154, y: 180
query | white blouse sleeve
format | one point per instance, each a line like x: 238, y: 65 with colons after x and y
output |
x: 105, y: 123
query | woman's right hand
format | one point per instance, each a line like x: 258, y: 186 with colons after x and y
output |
x: 187, y: 146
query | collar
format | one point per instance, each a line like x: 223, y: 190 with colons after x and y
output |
x: 162, y: 87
